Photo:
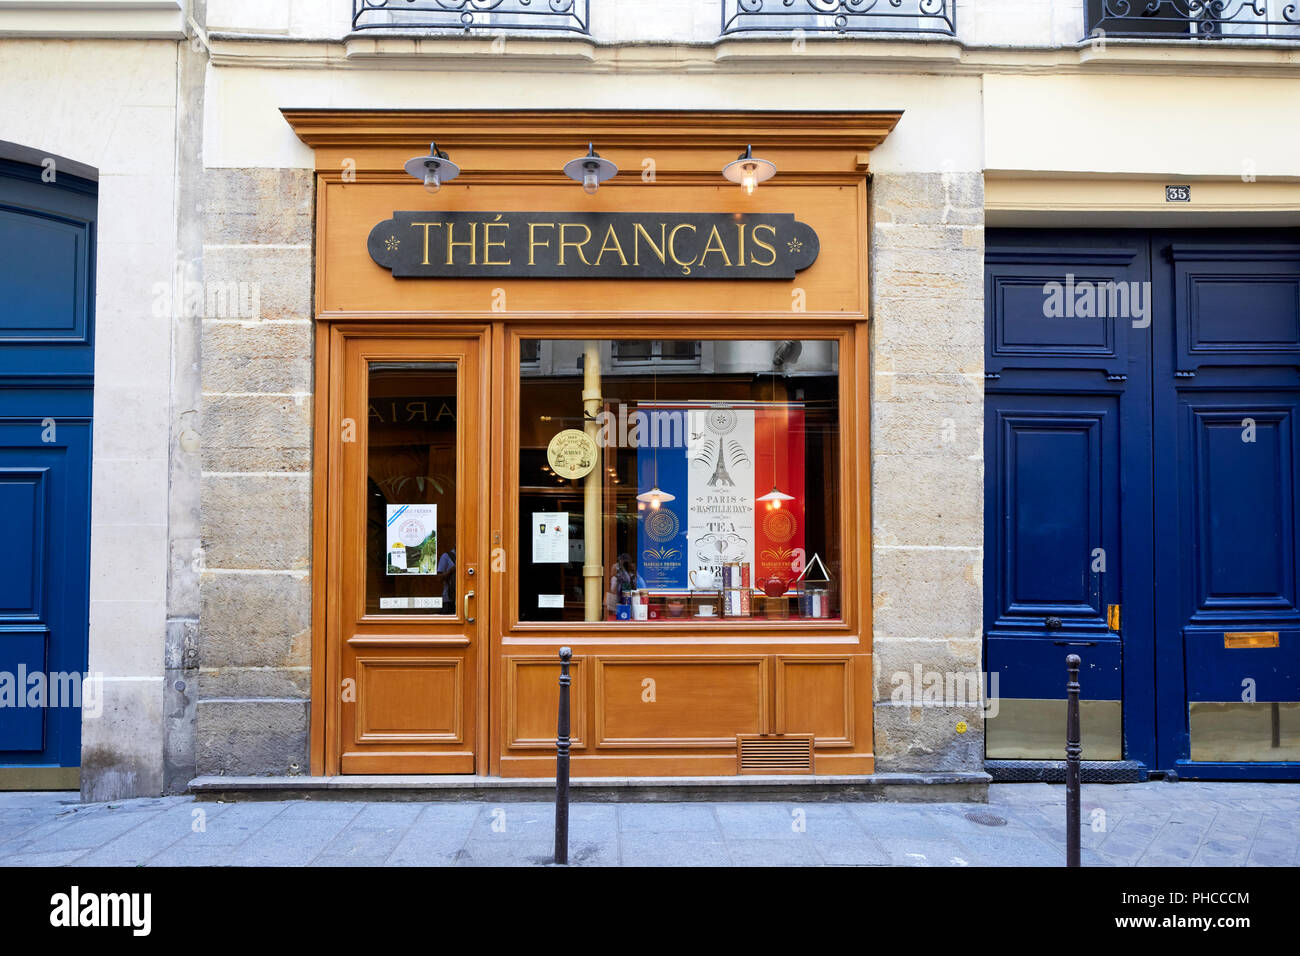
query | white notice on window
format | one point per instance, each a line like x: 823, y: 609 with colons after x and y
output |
x: 412, y: 539
x: 550, y: 537
x: 399, y: 603
x: 550, y: 600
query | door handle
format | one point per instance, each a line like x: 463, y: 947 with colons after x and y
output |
x: 468, y: 618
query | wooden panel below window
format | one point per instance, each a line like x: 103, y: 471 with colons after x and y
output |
x: 409, y: 700
x: 532, y: 703
x: 814, y: 695
x: 679, y: 702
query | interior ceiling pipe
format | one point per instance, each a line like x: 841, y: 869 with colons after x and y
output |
x: 593, y: 573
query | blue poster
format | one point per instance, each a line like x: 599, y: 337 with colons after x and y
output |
x: 662, y: 559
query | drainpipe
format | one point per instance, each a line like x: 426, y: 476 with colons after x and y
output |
x: 593, y: 572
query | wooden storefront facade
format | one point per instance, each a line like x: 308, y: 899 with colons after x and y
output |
x: 471, y: 688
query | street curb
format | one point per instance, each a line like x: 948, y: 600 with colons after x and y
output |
x: 957, y: 787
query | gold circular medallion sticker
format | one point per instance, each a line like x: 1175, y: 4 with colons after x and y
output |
x: 572, y: 453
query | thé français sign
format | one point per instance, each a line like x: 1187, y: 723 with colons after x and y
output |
x: 593, y: 245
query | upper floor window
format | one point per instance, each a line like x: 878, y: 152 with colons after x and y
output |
x: 1194, y: 19
x: 569, y: 16
x: 839, y: 16
x: 641, y: 351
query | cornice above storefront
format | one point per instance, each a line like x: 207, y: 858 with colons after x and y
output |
x: 831, y: 143
x: 527, y: 54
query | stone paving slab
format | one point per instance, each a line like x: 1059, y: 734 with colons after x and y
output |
x: 1146, y: 824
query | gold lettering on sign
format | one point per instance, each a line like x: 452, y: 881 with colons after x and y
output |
x: 488, y: 242
x: 761, y: 244
x: 579, y: 247
x: 451, y: 245
x: 610, y: 234
x: 426, y: 226
x: 672, y: 247
x: 533, y: 243
x: 711, y: 246
x: 638, y: 232
x: 565, y: 243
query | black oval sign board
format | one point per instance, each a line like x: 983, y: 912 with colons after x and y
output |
x: 593, y: 245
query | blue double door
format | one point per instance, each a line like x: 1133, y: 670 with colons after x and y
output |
x: 1142, y: 391
x: 47, y: 256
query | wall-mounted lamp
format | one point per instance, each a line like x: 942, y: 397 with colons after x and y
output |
x: 434, y: 169
x: 748, y: 170
x: 590, y: 170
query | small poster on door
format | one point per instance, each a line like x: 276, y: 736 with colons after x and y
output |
x: 412, y: 539
x: 550, y: 537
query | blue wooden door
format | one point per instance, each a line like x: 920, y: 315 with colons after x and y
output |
x: 47, y: 245
x: 1067, y: 494
x: 1141, y: 496
x: 1226, y: 404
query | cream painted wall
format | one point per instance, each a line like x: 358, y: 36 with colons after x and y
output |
x: 297, y: 18
x: 1020, y: 22
x: 1128, y: 124
x: 112, y: 105
x: 940, y: 129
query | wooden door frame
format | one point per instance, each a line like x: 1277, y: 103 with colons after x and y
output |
x: 331, y: 337
x: 360, y: 153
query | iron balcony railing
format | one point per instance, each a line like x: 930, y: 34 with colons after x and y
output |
x: 568, y: 16
x: 840, y: 16
x: 1195, y: 19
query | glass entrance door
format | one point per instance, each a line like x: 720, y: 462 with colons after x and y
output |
x: 407, y: 526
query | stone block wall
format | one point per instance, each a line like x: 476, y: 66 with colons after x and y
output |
x: 180, y: 644
x: 254, y: 633
x: 927, y: 303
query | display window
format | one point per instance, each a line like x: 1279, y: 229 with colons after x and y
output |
x: 665, y: 481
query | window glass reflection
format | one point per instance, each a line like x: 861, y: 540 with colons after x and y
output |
x: 713, y: 487
x: 411, y: 488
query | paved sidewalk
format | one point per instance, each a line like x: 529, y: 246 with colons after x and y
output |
x: 1149, y: 824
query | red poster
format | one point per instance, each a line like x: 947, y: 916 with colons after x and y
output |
x: 779, y: 464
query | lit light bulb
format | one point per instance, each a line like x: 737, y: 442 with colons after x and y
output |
x: 589, y: 181
x: 776, y: 505
x: 654, y: 503
x: 748, y: 180
x: 432, y: 182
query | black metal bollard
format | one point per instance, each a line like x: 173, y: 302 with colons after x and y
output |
x: 1073, y: 748
x: 562, y: 763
